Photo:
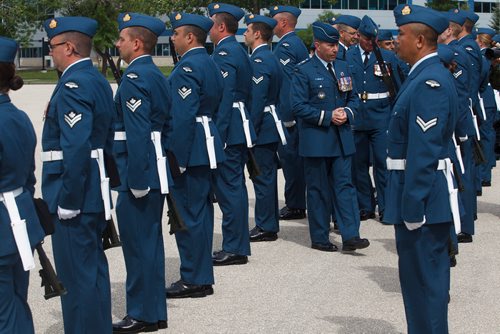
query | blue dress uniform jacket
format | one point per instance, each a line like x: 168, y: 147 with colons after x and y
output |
x: 142, y: 106
x: 266, y: 82
x: 236, y: 70
x: 468, y: 42
x: 196, y: 85
x: 230, y: 186
x: 78, y: 120
x: 420, y: 132
x: 326, y: 148
x: 341, y: 53
x: 17, y: 167
x: 370, y: 124
x: 314, y: 97
x: 290, y: 51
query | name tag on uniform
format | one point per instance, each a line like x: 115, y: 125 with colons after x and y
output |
x: 345, y: 84
x: 377, y: 71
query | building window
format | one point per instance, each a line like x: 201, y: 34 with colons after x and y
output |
x: 31, y: 52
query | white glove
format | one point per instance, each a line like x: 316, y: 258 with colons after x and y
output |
x: 66, y: 213
x: 414, y: 226
x: 140, y: 193
x: 182, y: 169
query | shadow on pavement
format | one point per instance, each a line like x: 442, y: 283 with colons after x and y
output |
x: 354, y: 325
x: 387, y: 278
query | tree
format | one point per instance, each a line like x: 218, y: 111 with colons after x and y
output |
x: 495, y: 18
x: 19, y: 19
x: 444, y: 5
x: 307, y: 34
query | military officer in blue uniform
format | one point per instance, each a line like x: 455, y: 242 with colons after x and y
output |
x: 419, y: 170
x: 267, y: 76
x: 488, y: 107
x: 290, y: 51
x: 142, y: 110
x: 17, y: 211
x: 236, y: 131
x: 196, y: 86
x: 76, y: 133
x: 372, y: 117
x: 347, y: 26
x: 325, y: 101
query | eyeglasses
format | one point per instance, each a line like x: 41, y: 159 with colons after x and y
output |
x: 53, y: 46
x: 352, y: 33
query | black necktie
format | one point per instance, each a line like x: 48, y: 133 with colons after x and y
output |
x: 330, y: 69
x: 366, y: 58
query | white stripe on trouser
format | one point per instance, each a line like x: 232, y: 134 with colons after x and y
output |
x: 279, y: 126
x: 246, y: 122
x: 459, y: 154
x: 106, y: 196
x: 448, y: 172
x: 209, y: 140
x: 19, y: 228
x: 481, y: 104
x: 474, y: 120
x: 161, y: 162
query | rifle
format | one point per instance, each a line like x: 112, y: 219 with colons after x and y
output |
x: 110, y: 237
x: 175, y: 58
x: 477, y: 152
x: 112, y: 66
x: 386, y: 77
x: 174, y: 218
x: 53, y: 287
x: 252, y: 165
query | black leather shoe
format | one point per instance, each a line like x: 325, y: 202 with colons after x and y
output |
x: 131, y: 325
x: 336, y: 227
x: 162, y: 324
x: 181, y: 289
x: 354, y: 243
x: 287, y: 213
x: 258, y: 234
x: 329, y: 247
x: 464, y: 237
x: 381, y: 216
x: 223, y: 258
x: 479, y: 193
x: 366, y: 215
x: 486, y: 183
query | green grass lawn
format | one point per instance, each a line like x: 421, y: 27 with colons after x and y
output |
x: 50, y: 76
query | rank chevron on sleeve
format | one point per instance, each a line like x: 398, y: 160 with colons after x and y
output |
x: 426, y: 125
x: 133, y: 104
x: 72, y: 118
x: 258, y: 80
x: 184, y: 92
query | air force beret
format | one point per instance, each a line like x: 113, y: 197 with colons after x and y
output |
x: 217, y: 7
x: 154, y: 24
x: 471, y: 16
x: 487, y: 31
x: 385, y: 35
x: 251, y: 18
x: 8, y: 49
x: 405, y: 14
x: 446, y: 53
x: 456, y: 15
x: 280, y: 9
x: 325, y: 32
x: 348, y: 20
x: 368, y: 27
x: 185, y: 19
x: 59, y: 25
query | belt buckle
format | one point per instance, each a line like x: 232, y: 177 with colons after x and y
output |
x: 364, y: 96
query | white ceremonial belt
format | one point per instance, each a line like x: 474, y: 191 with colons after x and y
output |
x: 19, y: 229
x: 279, y: 126
x: 58, y: 155
x: 98, y: 154
x: 161, y: 162
x: 209, y: 139
x: 161, y: 166
x: 453, y: 192
x: 373, y: 96
x: 122, y: 135
x: 246, y: 123
x: 400, y: 164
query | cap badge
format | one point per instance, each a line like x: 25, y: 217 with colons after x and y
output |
x: 126, y: 18
x: 406, y: 10
x: 216, y: 6
x: 276, y: 8
x: 178, y: 16
x: 53, y: 24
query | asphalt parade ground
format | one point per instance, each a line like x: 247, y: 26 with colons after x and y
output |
x: 287, y: 287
